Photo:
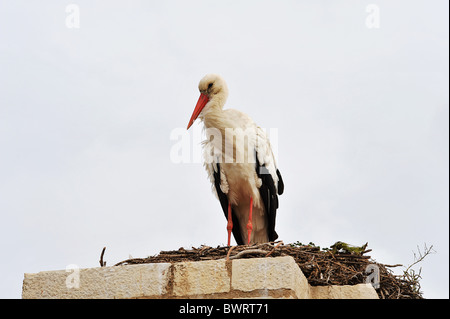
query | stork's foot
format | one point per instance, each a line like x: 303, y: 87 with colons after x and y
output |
x: 249, y: 224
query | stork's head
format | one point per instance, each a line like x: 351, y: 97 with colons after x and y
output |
x: 213, y: 93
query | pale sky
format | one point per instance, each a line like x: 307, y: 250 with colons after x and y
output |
x: 87, y: 108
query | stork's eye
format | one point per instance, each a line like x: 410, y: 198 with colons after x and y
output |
x: 210, y: 85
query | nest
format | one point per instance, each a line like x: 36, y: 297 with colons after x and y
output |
x: 321, y: 267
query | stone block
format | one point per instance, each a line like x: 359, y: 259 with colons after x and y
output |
x: 200, y: 278
x: 360, y: 291
x: 267, y: 274
x: 131, y: 281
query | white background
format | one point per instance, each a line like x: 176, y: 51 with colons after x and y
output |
x: 86, y: 116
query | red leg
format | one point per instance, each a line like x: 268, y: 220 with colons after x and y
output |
x: 230, y: 223
x: 249, y: 224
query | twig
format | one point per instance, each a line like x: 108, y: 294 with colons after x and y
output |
x: 248, y: 252
x: 276, y: 246
x: 229, y: 252
x: 426, y: 252
x: 102, y: 263
x: 392, y: 266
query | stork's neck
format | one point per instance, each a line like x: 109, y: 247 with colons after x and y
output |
x: 212, y: 114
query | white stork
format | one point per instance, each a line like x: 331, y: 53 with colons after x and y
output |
x: 241, y: 165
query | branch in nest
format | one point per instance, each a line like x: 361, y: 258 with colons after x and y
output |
x: 276, y: 246
x: 249, y: 252
x: 422, y: 256
x: 392, y: 266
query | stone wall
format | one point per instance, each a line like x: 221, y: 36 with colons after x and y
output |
x: 278, y: 277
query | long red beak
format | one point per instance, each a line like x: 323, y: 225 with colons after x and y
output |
x: 202, y: 100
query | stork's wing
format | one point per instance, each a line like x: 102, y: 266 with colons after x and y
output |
x: 224, y: 203
x: 272, y: 183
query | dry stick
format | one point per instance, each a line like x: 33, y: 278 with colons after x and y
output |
x: 248, y: 252
x: 102, y: 263
x: 132, y: 261
x: 276, y: 246
x: 392, y: 266
x: 204, y: 249
x: 229, y: 252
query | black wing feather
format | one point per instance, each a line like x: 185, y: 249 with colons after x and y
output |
x: 280, y: 183
x: 269, y: 196
x: 224, y: 203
